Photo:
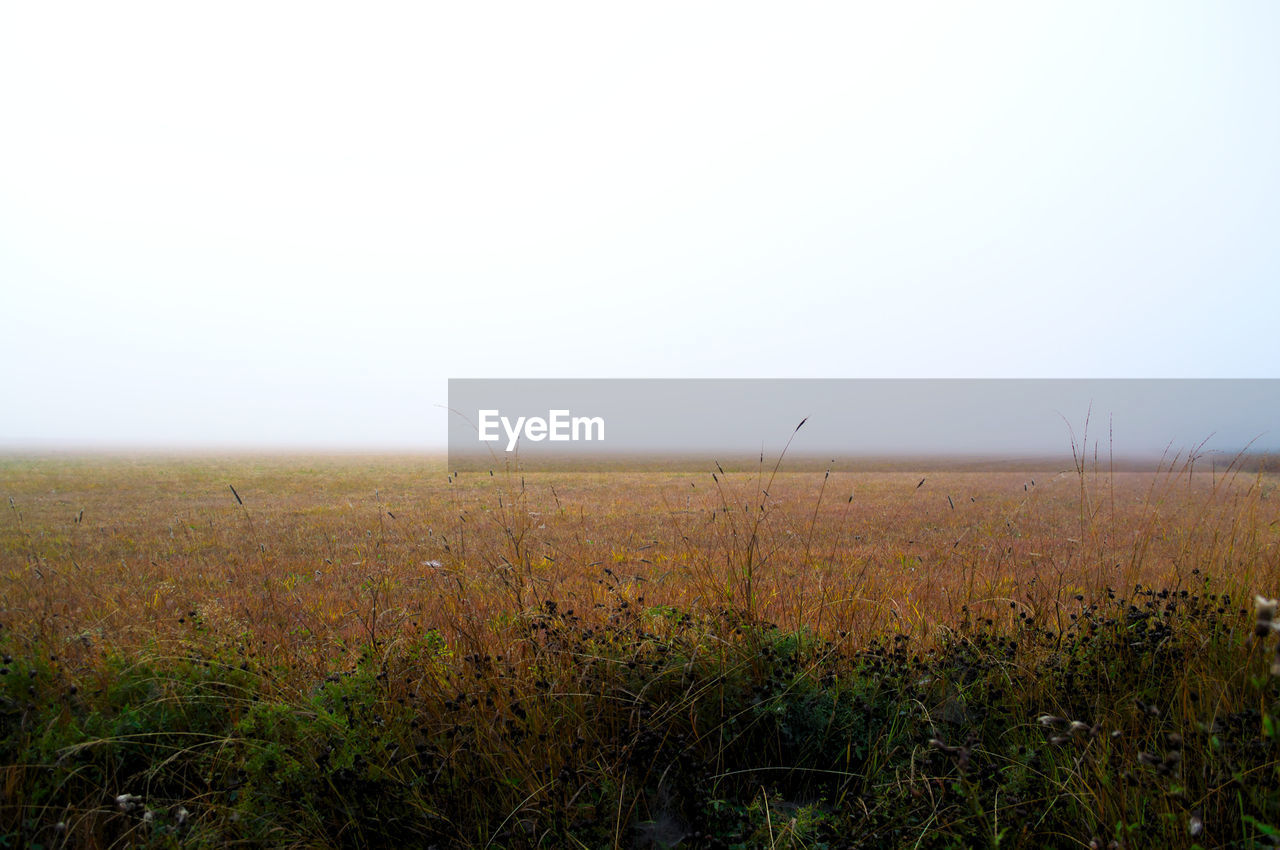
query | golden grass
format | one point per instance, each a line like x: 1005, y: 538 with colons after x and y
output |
x: 291, y: 649
x: 321, y: 553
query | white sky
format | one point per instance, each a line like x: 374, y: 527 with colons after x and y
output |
x: 287, y: 224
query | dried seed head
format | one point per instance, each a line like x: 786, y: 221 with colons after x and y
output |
x: 1195, y: 826
x: 1149, y: 709
x: 1050, y: 720
x: 1265, y: 610
x: 959, y: 753
x: 128, y: 802
x: 1077, y: 727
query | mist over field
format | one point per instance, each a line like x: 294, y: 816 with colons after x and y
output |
x: 519, y: 426
x: 252, y: 227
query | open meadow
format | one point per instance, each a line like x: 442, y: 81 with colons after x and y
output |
x: 358, y: 651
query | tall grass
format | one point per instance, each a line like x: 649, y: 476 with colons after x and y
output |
x: 353, y: 651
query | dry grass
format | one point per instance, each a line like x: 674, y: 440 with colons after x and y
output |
x: 524, y: 585
x: 324, y: 551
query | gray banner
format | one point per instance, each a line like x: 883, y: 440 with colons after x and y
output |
x: 658, y: 423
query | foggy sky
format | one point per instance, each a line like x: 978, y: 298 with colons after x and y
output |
x: 289, y: 224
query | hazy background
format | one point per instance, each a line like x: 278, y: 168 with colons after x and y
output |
x: 288, y: 224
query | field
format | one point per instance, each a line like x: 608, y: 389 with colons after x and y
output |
x: 357, y: 651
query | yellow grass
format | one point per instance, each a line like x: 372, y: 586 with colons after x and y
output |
x: 327, y: 552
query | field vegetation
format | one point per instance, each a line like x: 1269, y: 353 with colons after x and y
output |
x: 361, y: 651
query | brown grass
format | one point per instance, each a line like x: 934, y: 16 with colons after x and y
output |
x: 328, y: 651
x: 327, y: 552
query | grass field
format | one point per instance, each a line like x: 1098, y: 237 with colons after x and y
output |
x: 361, y: 651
